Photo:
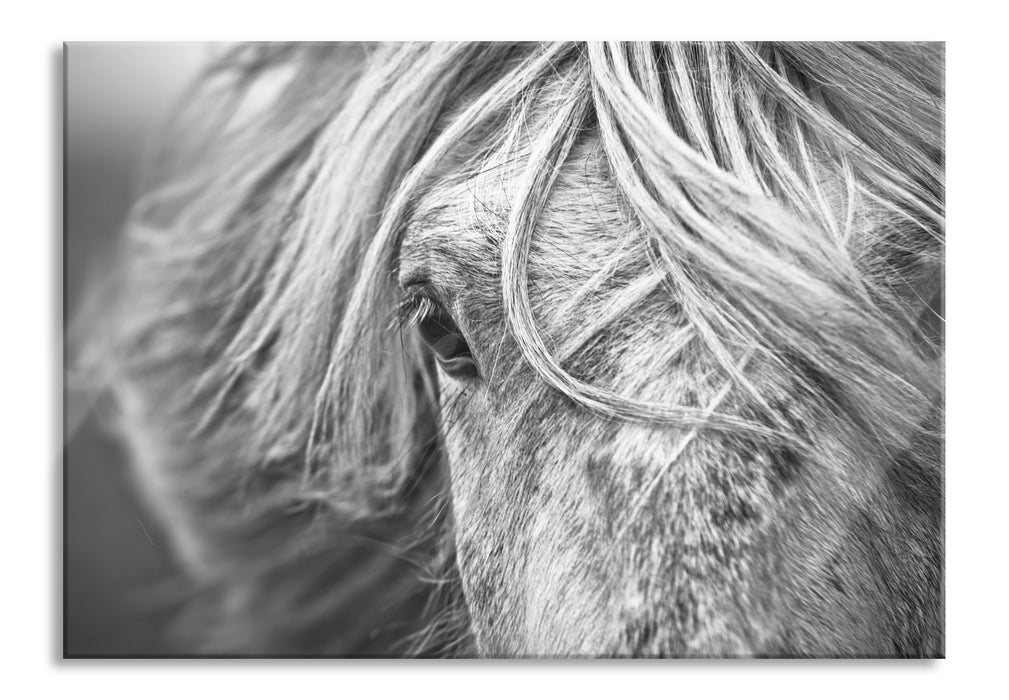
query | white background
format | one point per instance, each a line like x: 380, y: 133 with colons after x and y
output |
x: 30, y: 195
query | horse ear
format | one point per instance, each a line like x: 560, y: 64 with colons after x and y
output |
x: 925, y: 296
x: 906, y: 262
x: 889, y: 98
x: 932, y: 322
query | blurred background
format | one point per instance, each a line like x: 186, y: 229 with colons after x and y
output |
x: 120, y: 584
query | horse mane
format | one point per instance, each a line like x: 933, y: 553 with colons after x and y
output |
x: 288, y: 433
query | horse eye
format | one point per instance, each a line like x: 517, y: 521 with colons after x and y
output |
x: 440, y: 333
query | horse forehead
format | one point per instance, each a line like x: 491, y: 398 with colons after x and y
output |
x: 465, y: 219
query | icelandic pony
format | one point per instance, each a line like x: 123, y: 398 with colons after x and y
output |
x: 547, y: 350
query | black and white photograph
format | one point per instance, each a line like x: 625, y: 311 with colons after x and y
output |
x: 537, y: 350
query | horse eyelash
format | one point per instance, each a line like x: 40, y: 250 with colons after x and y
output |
x: 410, y: 310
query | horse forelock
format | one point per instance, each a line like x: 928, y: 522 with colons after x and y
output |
x: 784, y: 277
x: 789, y: 214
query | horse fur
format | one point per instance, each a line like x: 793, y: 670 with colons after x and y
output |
x: 700, y: 282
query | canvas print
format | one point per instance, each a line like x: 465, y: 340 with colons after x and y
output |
x: 535, y: 350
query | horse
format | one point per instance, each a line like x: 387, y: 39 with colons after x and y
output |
x: 545, y: 350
